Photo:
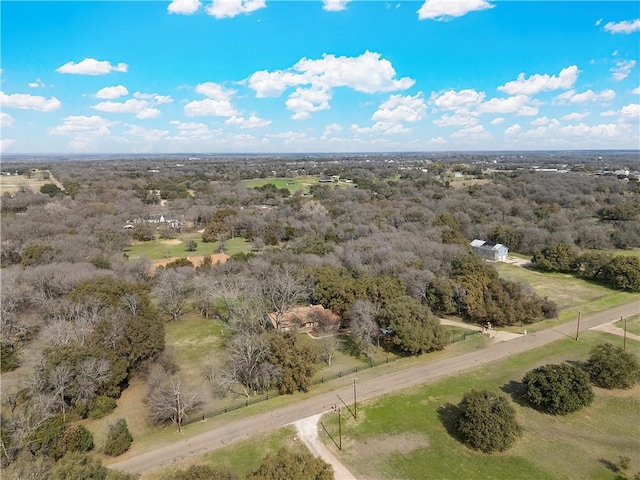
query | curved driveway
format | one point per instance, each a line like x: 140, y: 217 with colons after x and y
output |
x: 369, y: 388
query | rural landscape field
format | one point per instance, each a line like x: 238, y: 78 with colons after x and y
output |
x: 319, y: 240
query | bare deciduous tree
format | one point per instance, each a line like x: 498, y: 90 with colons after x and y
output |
x: 246, y: 370
x: 168, y: 399
x: 173, y: 287
x: 364, y: 327
x: 282, y: 290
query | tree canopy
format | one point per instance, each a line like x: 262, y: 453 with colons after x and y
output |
x: 610, y: 366
x: 558, y: 389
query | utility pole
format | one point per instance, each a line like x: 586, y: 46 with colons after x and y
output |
x: 338, y: 409
x: 355, y: 399
x: 624, y: 341
x: 578, y: 329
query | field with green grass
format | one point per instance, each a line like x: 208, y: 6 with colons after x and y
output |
x: 294, y: 184
x: 175, y: 248
x: 572, y: 295
x: 404, y: 435
x: 633, y: 324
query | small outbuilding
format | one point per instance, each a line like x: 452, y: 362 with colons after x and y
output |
x: 489, y: 250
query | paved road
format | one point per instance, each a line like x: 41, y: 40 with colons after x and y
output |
x: 370, y: 388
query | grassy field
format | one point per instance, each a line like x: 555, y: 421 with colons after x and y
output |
x: 175, y: 248
x: 294, y: 184
x: 16, y: 183
x: 402, y: 435
x: 633, y: 324
x: 572, y: 295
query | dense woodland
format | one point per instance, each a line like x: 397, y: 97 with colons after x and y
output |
x: 383, y: 243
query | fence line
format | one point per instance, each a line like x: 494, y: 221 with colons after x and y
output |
x: 317, y: 381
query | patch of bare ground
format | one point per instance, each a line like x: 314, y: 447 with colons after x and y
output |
x: 375, y: 450
x: 172, y: 241
x: 196, y: 260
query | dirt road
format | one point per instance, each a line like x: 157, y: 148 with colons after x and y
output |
x: 308, y: 431
x: 370, y: 388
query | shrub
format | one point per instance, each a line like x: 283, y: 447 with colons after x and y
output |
x: 203, y: 472
x: 288, y: 465
x: 75, y: 438
x: 102, y: 406
x: 119, y: 439
x: 558, y: 389
x: 487, y: 421
x: 610, y: 366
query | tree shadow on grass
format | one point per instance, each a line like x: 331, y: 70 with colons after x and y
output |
x: 517, y: 391
x: 609, y: 465
x: 448, y: 415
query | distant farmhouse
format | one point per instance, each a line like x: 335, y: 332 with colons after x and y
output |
x: 489, y: 250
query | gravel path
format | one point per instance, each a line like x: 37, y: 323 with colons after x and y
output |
x: 313, y: 404
x: 308, y: 431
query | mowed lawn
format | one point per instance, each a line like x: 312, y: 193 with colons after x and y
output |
x: 294, y: 184
x: 176, y: 248
x: 403, y: 436
x: 572, y: 295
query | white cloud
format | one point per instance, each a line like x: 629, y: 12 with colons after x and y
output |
x: 112, y: 92
x: 140, y: 107
x: 25, y: 101
x: 399, y: 109
x: 251, y: 122
x: 218, y: 103
x: 476, y: 132
x: 6, y: 120
x: 306, y: 100
x: 540, y: 121
x: 626, y: 26
x: 191, y: 130
x: 541, y: 83
x: 6, y: 144
x: 154, y: 98
x: 456, y: 119
x: 437, y: 141
x: 589, y: 96
x: 598, y: 22
x: 331, y: 130
x: 463, y: 99
x: 630, y: 112
x: 609, y: 113
x: 636, y: 91
x: 184, y: 7
x: 37, y: 84
x: 209, y: 108
x: 393, y: 113
x: 367, y: 73
x: 575, y: 116
x: 215, y: 91
x: 590, y: 131
x: 334, y: 5
x: 80, y: 124
x: 231, y: 8
x: 147, y: 134
x: 513, y: 129
x: 91, y: 66
x: 447, y: 9
x: 505, y: 105
x: 622, y: 69
x: 497, y: 121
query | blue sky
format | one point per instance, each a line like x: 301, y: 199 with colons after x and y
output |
x: 226, y: 76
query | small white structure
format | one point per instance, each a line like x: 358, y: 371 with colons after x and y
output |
x: 489, y: 250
